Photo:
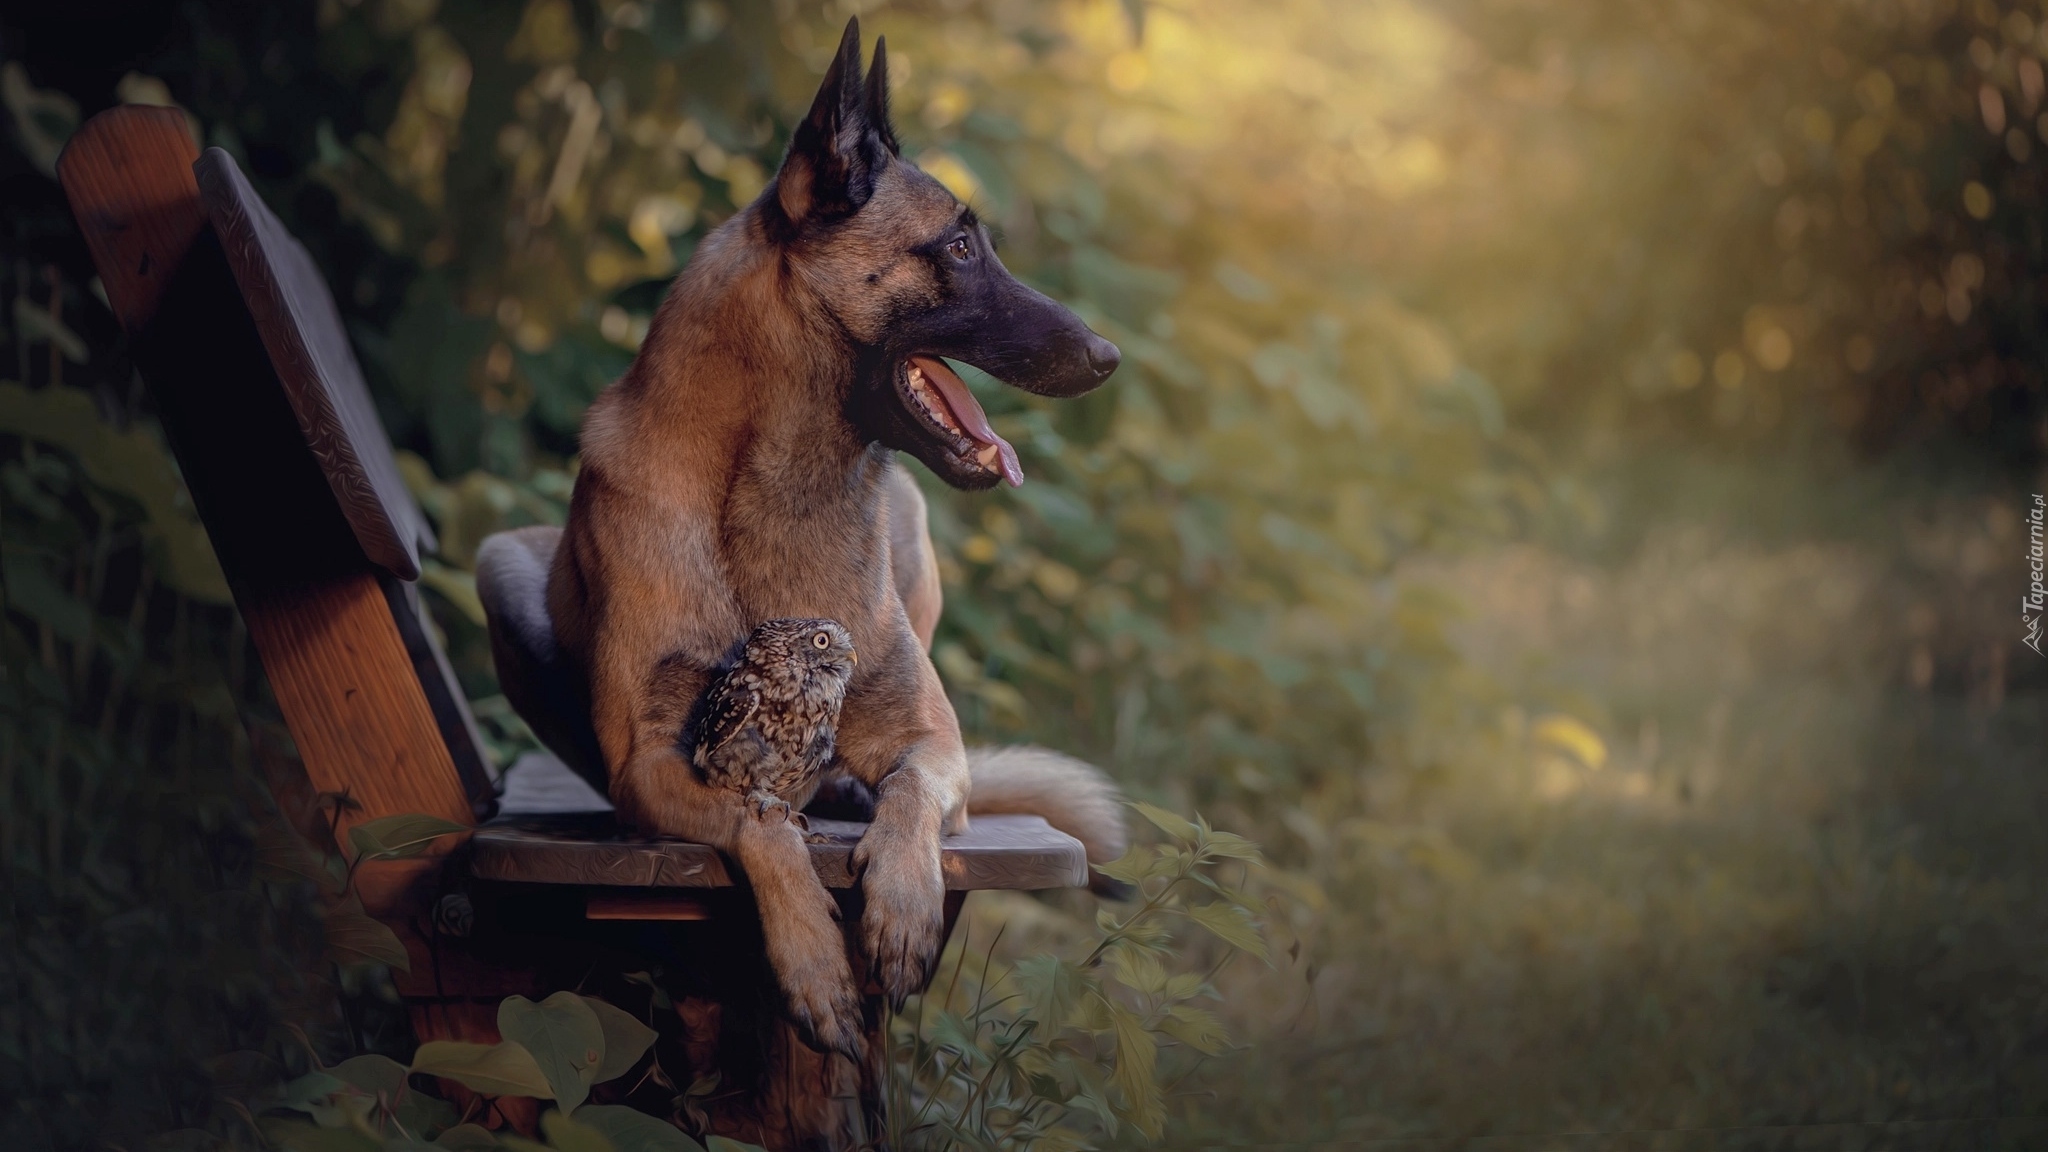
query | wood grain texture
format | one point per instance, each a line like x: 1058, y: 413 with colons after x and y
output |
x: 346, y: 686
x: 309, y: 349
x: 128, y: 175
x: 1011, y: 852
x: 310, y: 596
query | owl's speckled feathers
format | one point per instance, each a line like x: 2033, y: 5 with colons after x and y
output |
x: 768, y: 720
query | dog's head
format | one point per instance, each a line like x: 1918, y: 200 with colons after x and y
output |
x: 909, y: 274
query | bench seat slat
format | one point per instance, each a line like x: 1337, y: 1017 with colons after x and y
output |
x: 589, y: 848
x: 556, y: 829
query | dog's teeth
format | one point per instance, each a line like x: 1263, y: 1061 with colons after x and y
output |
x: 927, y: 400
x: 987, y: 456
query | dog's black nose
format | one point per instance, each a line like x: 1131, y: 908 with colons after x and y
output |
x: 1103, y: 356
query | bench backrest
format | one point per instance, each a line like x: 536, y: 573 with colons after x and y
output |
x: 264, y: 405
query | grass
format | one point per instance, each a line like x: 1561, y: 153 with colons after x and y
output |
x: 1734, y: 840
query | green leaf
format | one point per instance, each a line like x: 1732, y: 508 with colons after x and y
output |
x: 1129, y: 867
x: 1090, y: 1093
x: 1051, y: 987
x: 630, y: 1130
x: 1048, y: 1088
x: 301, y: 1092
x: 1150, y: 931
x: 1168, y: 822
x: 626, y: 1039
x: 1233, y: 925
x: 354, y: 938
x: 1137, y: 968
x: 345, y: 1109
x: 565, y: 1038
x: 467, y: 1136
x: 661, y: 1000
x: 419, y: 1112
x: 951, y: 1030
x: 1195, y: 1028
x: 567, y: 1135
x: 1137, y: 1060
x: 396, y: 837
x: 1231, y: 845
x: 492, y: 1069
x: 377, y: 1075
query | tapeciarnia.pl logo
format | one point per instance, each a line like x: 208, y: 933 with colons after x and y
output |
x: 2036, y: 599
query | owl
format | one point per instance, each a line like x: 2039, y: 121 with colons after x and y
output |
x: 767, y: 721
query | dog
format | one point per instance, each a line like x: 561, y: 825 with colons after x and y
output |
x: 743, y: 469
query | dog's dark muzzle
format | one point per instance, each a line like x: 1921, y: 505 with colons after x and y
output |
x: 1055, y: 354
x: 1027, y: 340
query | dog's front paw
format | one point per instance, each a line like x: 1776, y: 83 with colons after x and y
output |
x: 808, y: 953
x: 827, y: 1015
x: 903, y: 926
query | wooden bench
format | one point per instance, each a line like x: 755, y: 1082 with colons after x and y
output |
x: 234, y: 330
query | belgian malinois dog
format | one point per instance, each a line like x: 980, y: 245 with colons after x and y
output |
x: 742, y: 470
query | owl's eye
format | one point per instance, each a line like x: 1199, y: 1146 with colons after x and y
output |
x: 959, y: 249
x: 821, y: 641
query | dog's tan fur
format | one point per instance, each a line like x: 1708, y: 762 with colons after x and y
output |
x: 719, y: 489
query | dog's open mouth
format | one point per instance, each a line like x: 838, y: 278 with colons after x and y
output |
x: 938, y: 395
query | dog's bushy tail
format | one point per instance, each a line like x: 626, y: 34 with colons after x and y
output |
x: 1073, y: 796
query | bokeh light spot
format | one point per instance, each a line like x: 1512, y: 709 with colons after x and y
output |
x: 1774, y: 349
x: 1991, y: 105
x: 1977, y: 200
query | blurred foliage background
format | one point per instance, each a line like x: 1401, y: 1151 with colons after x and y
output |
x: 1564, y: 496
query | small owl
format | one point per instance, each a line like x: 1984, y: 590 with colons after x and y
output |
x: 768, y: 720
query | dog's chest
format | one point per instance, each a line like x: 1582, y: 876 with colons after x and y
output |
x: 827, y: 558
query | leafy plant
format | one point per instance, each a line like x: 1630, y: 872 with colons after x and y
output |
x: 1057, y: 1053
x: 551, y: 1051
x: 1051, y: 1052
x: 353, y: 936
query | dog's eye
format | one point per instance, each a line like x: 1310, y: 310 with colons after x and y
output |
x: 821, y: 641
x: 959, y: 249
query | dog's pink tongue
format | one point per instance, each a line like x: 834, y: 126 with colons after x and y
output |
x: 967, y: 411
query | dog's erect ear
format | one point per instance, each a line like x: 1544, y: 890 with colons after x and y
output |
x: 835, y: 154
x: 878, y: 98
